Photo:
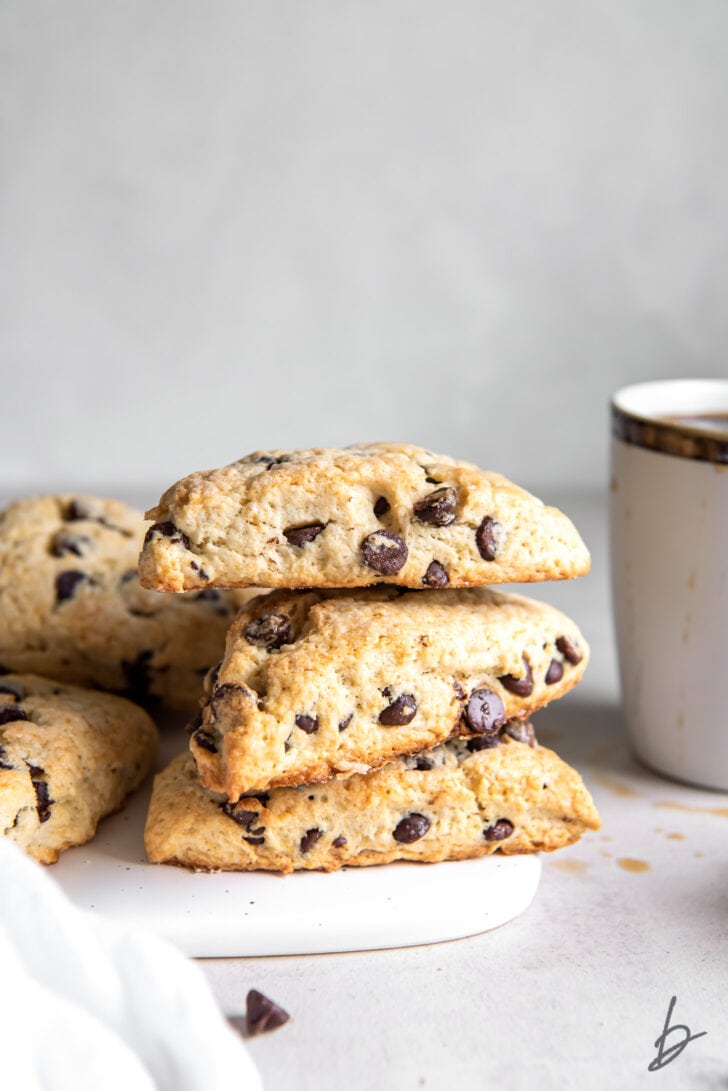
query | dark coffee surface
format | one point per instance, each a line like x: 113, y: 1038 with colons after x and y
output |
x: 702, y: 436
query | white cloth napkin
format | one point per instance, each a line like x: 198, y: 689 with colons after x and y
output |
x: 85, y: 1004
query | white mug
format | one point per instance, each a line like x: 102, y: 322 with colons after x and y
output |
x: 669, y: 558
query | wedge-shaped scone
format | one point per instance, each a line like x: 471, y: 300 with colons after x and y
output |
x: 380, y: 513
x: 447, y: 803
x: 318, y: 683
x: 72, y: 608
x: 68, y: 756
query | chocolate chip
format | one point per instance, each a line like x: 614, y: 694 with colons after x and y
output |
x: 262, y: 1014
x: 487, y: 538
x: 309, y: 839
x: 11, y: 713
x: 438, y: 508
x: 521, y: 731
x: 63, y: 543
x: 484, y: 712
x: 269, y: 631
x: 207, y: 594
x: 300, y: 536
x: 555, y: 672
x: 254, y: 840
x: 205, y: 740
x: 66, y: 584
x: 78, y: 509
x: 402, y: 710
x: 199, y: 570
x: 339, y: 842
x: 482, y: 742
x: 243, y: 817
x: 411, y: 828
x: 422, y: 764
x: 14, y: 689
x: 309, y: 724
x: 499, y: 830
x: 384, y: 552
x: 382, y: 506
x: 167, y: 530
x: 435, y: 576
x: 221, y: 693
x: 42, y: 797
x: 345, y: 723
x: 571, y: 651
x: 523, y: 686
x: 138, y: 673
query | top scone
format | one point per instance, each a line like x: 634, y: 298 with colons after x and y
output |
x: 379, y: 513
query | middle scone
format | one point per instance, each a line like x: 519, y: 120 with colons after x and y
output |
x: 319, y: 683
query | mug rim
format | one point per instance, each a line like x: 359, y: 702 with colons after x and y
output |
x: 638, y: 411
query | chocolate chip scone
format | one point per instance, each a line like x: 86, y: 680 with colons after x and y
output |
x: 68, y: 756
x: 379, y: 513
x: 318, y: 683
x: 448, y: 803
x: 72, y: 607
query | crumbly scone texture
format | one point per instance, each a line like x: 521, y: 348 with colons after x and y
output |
x: 68, y: 756
x: 446, y: 804
x: 314, y: 684
x: 72, y: 607
x: 363, y: 515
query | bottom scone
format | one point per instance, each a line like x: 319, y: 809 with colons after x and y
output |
x: 447, y: 803
x: 68, y: 756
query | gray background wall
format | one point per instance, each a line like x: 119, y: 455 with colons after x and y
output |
x: 226, y: 226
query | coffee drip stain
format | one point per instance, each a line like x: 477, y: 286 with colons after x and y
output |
x: 574, y: 867
x: 719, y: 812
x: 628, y: 863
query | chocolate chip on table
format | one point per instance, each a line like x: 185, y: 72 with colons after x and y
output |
x: 205, y: 740
x: 138, y: 673
x: 411, y: 828
x: 309, y: 839
x: 262, y: 1014
x: 555, y: 672
x: 309, y: 724
x: 382, y: 506
x: 384, y: 552
x: 571, y: 651
x: 521, y: 731
x: 339, y: 842
x: 345, y: 723
x: 66, y: 584
x: 499, y: 830
x: 484, y: 712
x: 523, y: 686
x: 435, y: 576
x: 63, y: 542
x: 42, y: 796
x: 167, y: 530
x: 10, y: 713
x: 487, y: 538
x: 402, y: 710
x: 300, y: 536
x: 438, y: 508
x: 269, y: 631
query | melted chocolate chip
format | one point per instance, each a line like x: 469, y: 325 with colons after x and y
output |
x: 486, y: 538
x: 438, y: 508
x: 309, y: 839
x: 499, y: 830
x: 243, y: 817
x: 138, y: 673
x: 382, y: 506
x: 435, y: 576
x: 521, y: 731
x: 484, y: 712
x: 14, y: 689
x: 256, y: 840
x: 10, y: 713
x: 300, y: 536
x: 384, y: 552
x: 199, y: 570
x: 555, y: 672
x: 411, y: 828
x: 262, y: 1014
x: 345, y: 723
x: 339, y: 842
x: 167, y: 530
x: 205, y: 740
x: 571, y: 651
x: 482, y: 742
x: 66, y: 584
x: 269, y: 631
x: 221, y: 693
x: 402, y: 710
x: 63, y: 542
x: 523, y: 686
x: 309, y: 724
x: 42, y: 797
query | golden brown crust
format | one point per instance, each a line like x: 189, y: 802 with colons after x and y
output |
x: 449, y: 811
x: 298, y: 519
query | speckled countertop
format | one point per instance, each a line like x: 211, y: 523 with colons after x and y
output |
x: 576, y: 991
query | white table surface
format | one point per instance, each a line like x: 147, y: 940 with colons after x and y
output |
x: 574, y: 992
